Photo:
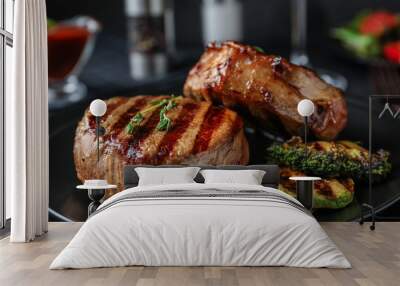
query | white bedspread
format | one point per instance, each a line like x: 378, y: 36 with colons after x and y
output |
x: 185, y: 231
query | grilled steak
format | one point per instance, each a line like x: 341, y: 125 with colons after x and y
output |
x: 267, y: 86
x: 200, y: 134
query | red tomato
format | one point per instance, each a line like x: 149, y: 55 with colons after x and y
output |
x: 377, y: 23
x: 391, y: 51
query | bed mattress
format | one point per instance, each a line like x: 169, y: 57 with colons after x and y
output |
x: 201, y: 225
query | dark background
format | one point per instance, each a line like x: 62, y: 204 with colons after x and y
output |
x: 266, y: 24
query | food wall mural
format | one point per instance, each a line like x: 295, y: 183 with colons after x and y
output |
x: 174, y: 99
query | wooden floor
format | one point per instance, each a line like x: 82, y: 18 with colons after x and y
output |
x: 375, y: 257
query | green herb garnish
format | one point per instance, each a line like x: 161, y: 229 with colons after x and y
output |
x: 165, y: 122
x: 258, y: 49
x: 134, y: 124
x: 158, y: 102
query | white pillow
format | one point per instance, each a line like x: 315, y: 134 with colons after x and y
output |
x: 248, y: 177
x: 165, y: 176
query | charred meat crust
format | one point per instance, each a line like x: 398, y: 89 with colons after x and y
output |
x: 200, y: 133
x: 266, y: 85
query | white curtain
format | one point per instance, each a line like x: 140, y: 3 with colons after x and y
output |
x: 27, y: 124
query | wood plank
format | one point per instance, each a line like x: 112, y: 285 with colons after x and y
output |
x: 375, y: 257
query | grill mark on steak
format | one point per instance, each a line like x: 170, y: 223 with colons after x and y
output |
x: 212, y: 121
x: 128, y: 144
x: 225, y: 128
x: 179, y: 127
x: 131, y: 148
x: 184, y: 146
x: 149, y: 145
x: 112, y: 105
x: 119, y: 113
x: 124, y: 119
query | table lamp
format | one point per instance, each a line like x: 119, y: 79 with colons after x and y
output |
x: 96, y: 188
x: 305, y: 108
x: 98, y: 108
x: 305, y: 184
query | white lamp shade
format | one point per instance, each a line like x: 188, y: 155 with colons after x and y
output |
x: 98, y: 107
x: 305, y: 107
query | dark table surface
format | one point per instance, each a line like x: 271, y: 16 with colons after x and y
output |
x: 107, y: 74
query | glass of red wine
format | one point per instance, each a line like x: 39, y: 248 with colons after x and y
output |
x: 299, y: 53
x: 70, y: 45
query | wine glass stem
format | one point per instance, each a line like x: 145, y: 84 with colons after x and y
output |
x: 299, y: 32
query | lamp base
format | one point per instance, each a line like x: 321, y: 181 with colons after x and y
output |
x: 96, y: 195
x: 305, y: 193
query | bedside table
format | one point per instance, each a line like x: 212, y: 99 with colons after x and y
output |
x: 305, y: 189
x: 96, y: 194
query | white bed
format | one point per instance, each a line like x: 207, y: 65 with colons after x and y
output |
x: 247, y: 225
